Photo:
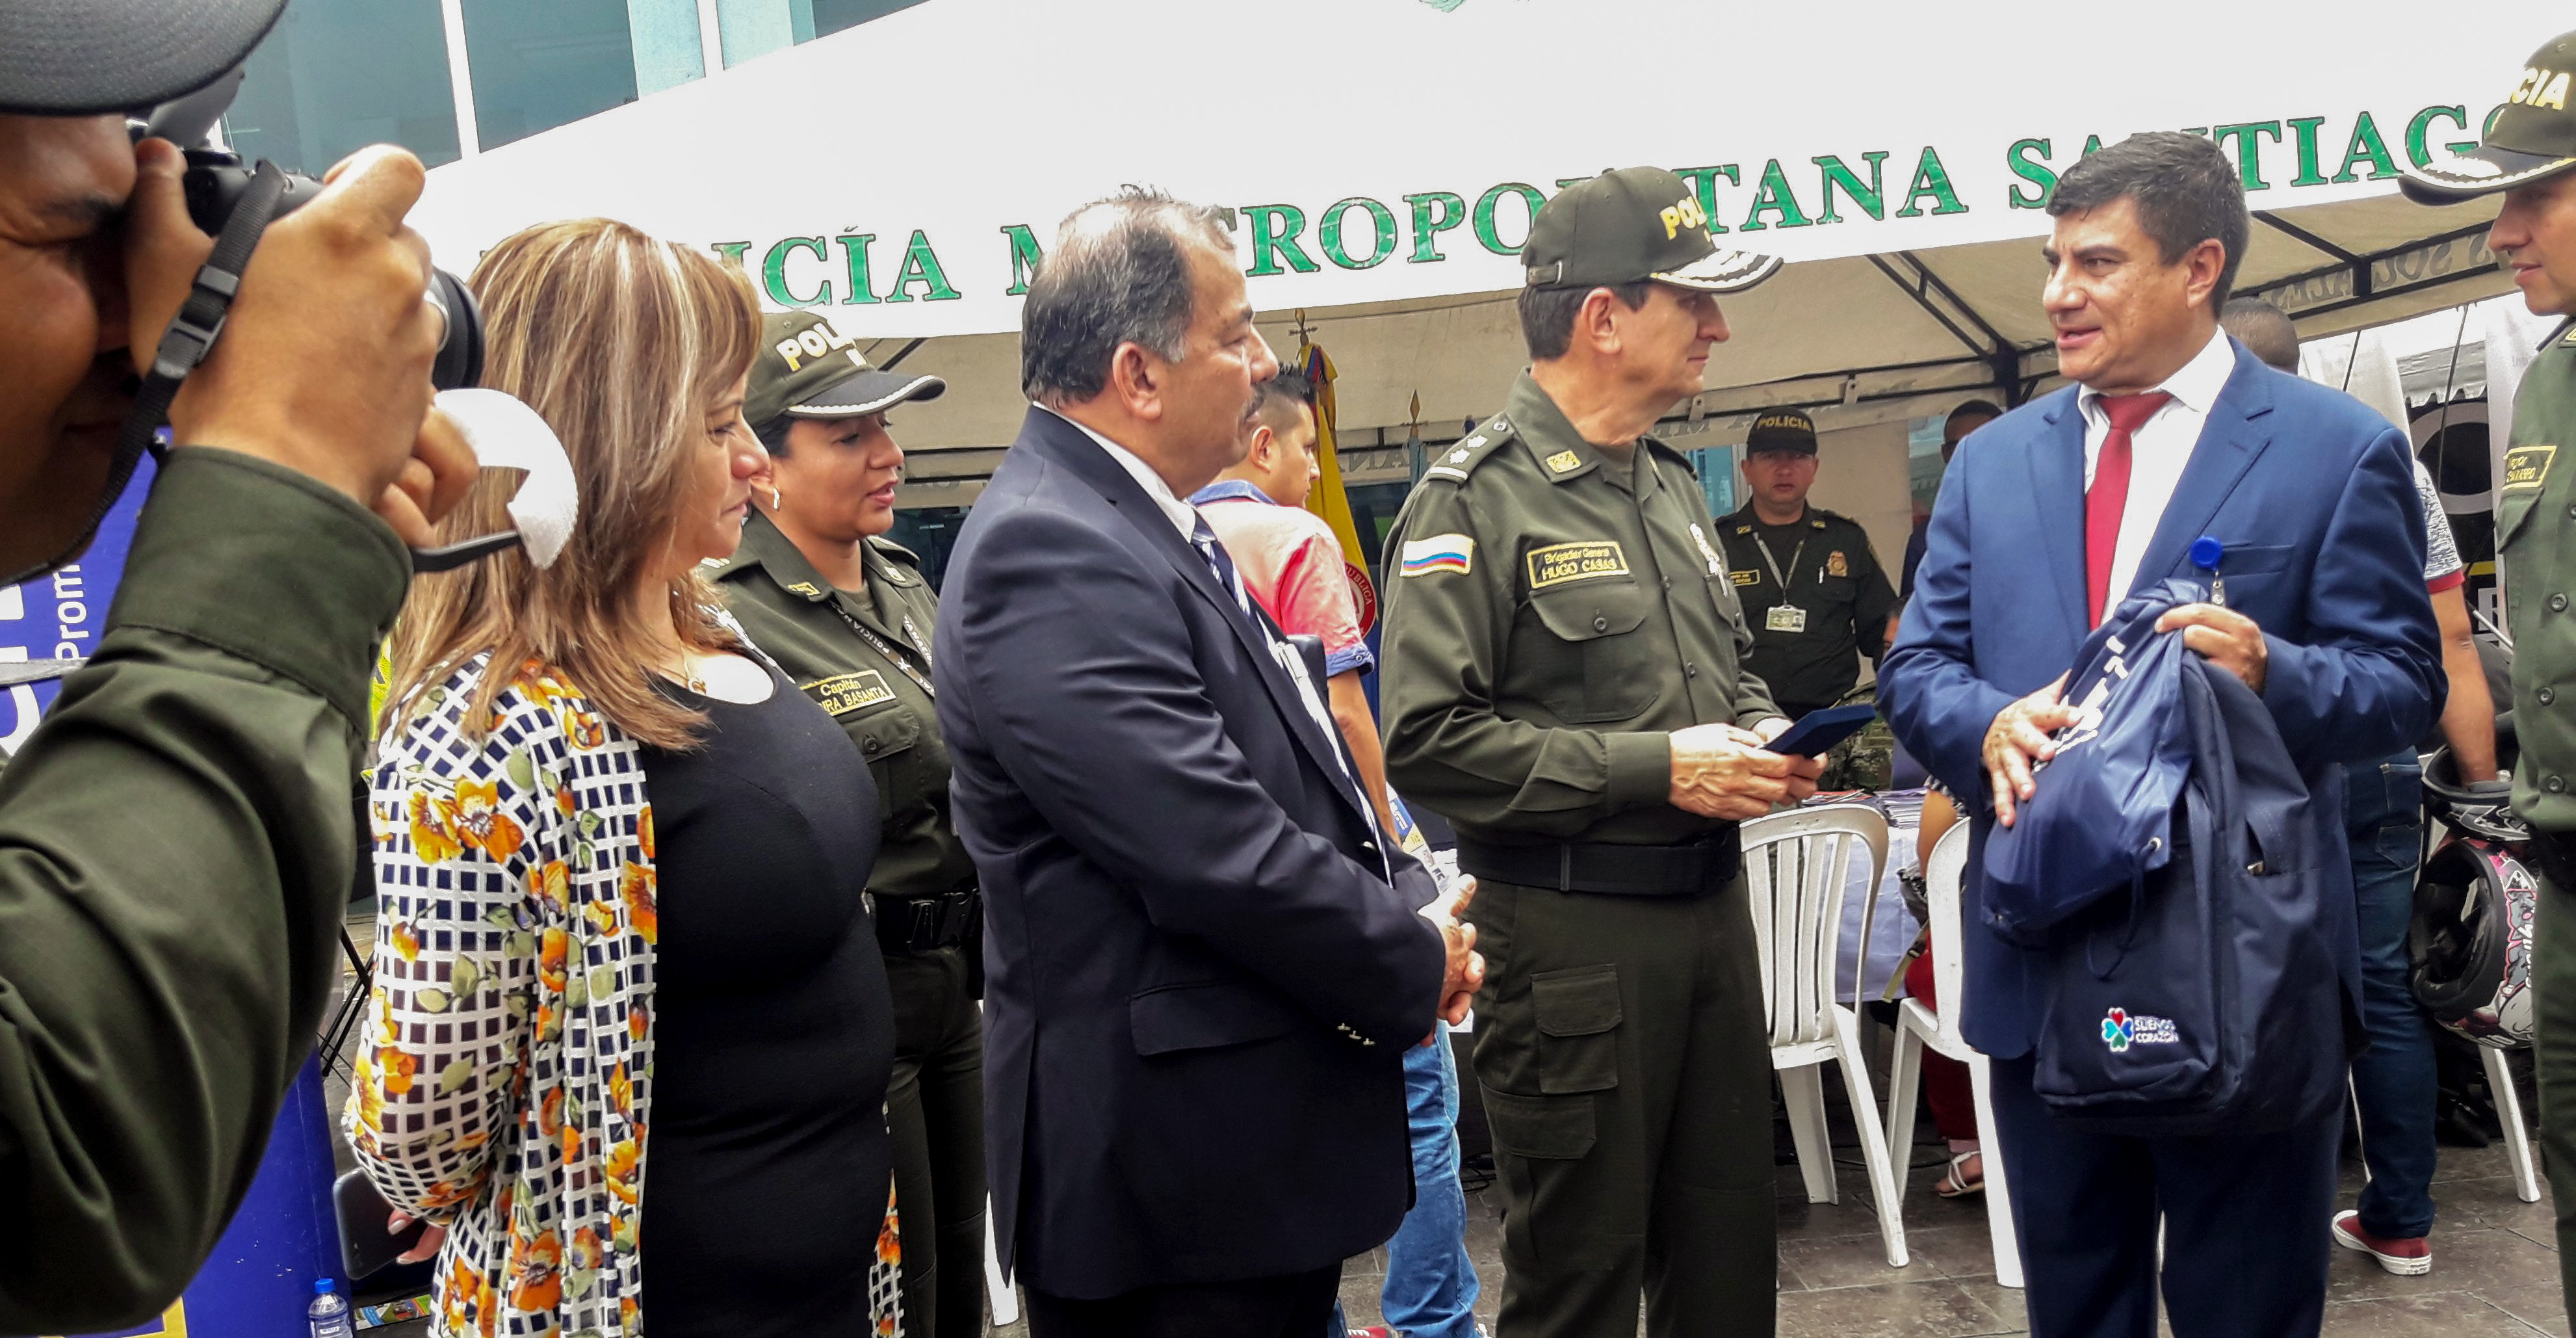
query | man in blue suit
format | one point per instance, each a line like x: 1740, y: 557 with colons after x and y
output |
x: 1204, y: 961
x: 2047, y: 519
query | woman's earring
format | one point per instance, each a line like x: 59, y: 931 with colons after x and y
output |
x: 773, y: 497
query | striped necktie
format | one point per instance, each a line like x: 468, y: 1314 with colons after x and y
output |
x: 1204, y: 539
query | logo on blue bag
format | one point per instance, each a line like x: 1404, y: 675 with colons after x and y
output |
x: 2122, y: 1029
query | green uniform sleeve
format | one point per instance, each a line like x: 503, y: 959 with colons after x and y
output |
x: 177, y: 841
x: 1877, y: 600
x: 1446, y: 635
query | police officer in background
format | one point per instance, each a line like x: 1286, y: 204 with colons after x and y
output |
x: 2528, y: 153
x: 847, y: 613
x: 1810, y: 583
x: 1564, y: 682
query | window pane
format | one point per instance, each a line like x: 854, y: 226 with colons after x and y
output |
x: 831, y: 16
x: 337, y: 75
x: 537, y: 66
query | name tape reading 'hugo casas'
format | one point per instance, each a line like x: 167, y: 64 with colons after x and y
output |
x: 1556, y: 564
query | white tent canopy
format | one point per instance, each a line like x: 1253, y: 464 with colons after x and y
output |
x: 1382, y: 157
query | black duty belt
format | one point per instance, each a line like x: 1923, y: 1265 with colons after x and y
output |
x: 1620, y: 871
x: 924, y: 924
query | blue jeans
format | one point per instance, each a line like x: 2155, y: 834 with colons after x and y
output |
x: 1430, y: 1289
x: 2394, y: 1078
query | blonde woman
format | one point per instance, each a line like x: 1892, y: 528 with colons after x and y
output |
x: 625, y: 989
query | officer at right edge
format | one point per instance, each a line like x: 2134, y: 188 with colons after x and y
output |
x: 2526, y: 153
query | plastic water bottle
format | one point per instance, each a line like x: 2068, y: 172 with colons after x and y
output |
x: 328, y: 1316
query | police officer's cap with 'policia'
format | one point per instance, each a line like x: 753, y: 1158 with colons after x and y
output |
x: 806, y: 369
x: 1781, y: 430
x: 1633, y: 224
x: 2532, y: 137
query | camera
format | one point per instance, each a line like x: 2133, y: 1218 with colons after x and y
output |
x: 216, y: 181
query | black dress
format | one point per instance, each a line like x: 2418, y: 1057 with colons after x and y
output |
x: 767, y: 1163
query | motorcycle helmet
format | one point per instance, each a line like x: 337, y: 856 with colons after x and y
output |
x: 2471, y: 941
x: 2484, y: 809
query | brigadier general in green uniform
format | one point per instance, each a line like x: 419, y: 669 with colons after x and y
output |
x: 847, y: 613
x: 1811, y: 585
x: 1565, y: 682
x: 2526, y: 154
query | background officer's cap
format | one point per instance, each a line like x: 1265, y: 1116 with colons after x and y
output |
x: 1635, y: 223
x: 2530, y: 138
x: 84, y: 57
x: 807, y: 370
x: 1782, y: 430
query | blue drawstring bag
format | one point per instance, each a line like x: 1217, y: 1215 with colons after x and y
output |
x: 2100, y: 817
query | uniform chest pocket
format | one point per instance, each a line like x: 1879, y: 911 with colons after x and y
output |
x: 1603, y: 670
x: 884, y: 735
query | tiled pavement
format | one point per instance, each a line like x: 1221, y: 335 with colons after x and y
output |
x: 2495, y: 1267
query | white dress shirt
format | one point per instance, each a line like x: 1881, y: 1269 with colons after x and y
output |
x: 2157, y: 452
x: 1180, y: 513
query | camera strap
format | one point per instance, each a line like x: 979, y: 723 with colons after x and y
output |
x: 201, y: 318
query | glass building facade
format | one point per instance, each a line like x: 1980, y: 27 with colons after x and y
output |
x: 448, y: 79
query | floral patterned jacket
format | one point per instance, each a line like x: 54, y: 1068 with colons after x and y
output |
x: 505, y: 1087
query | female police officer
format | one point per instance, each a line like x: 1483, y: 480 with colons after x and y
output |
x: 847, y: 613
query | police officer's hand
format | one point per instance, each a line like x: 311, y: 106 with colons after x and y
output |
x: 2228, y: 638
x: 323, y: 366
x: 1720, y: 771
x: 1466, y: 966
x: 2018, y: 738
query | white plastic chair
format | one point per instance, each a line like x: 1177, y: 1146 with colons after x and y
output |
x: 2517, y: 1135
x: 1798, y: 864
x: 1918, y: 1026
x: 997, y: 1289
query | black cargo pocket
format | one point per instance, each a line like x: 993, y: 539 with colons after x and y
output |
x: 1551, y: 1128
x: 1578, y: 1023
x: 884, y: 736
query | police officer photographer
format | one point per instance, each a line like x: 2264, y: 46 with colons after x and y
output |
x: 848, y: 614
x: 178, y: 838
x: 1810, y: 583
x: 2528, y: 154
x: 1565, y: 683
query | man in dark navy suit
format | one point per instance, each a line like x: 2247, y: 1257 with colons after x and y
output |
x: 2047, y: 519
x: 1204, y: 960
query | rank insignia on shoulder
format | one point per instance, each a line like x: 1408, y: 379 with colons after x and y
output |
x: 1438, y: 553
x: 1835, y: 565
x: 1746, y: 577
x: 805, y: 588
x: 1744, y: 529
x: 1564, y: 461
x: 1818, y: 524
x: 2527, y: 466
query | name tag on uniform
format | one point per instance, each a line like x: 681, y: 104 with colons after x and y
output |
x: 1557, y: 564
x: 2528, y: 466
x: 1785, y: 618
x: 844, y: 693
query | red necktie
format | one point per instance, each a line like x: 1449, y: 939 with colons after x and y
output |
x: 2109, y: 496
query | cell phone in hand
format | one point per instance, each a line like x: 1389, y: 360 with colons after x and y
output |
x: 1817, y: 731
x: 365, y: 1245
